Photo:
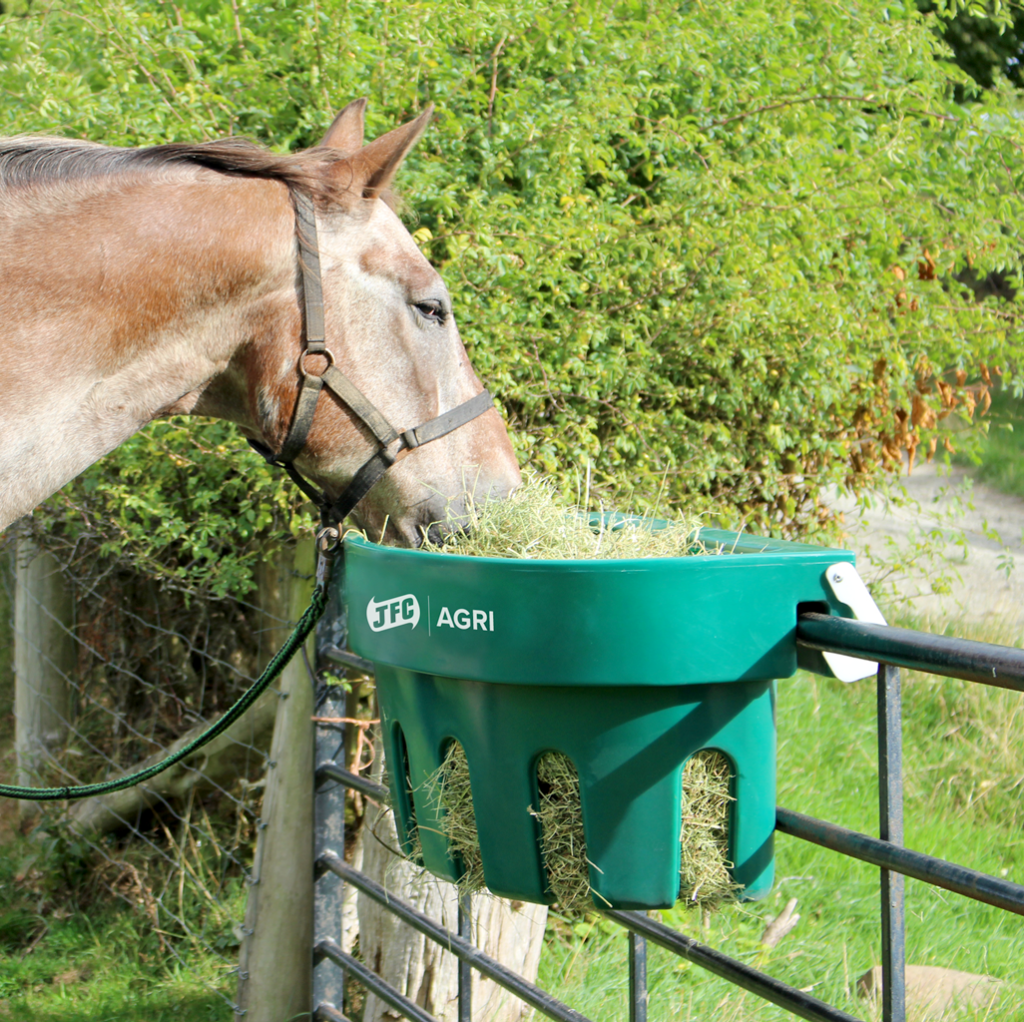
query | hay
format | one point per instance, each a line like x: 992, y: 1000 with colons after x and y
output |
x: 704, y: 879
x: 564, y: 847
x: 533, y: 523
x: 450, y: 790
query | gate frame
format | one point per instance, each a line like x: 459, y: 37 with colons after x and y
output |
x: 892, y: 648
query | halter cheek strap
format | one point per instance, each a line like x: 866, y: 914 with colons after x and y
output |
x: 315, y: 343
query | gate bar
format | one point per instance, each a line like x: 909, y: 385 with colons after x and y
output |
x: 511, y: 981
x: 385, y: 991
x: 328, y: 770
x: 890, y: 830
x: 328, y: 832
x: 347, y: 659
x: 465, y: 969
x: 948, y: 875
x: 794, y: 1001
x: 983, y: 662
x: 328, y: 1013
x: 637, y: 977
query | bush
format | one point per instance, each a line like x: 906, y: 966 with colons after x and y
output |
x: 711, y: 250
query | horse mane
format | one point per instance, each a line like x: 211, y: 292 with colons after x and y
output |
x: 28, y: 160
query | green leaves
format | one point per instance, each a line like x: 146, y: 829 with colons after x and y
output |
x: 671, y: 230
x: 187, y: 502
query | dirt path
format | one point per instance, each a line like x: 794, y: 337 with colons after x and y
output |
x: 983, y: 593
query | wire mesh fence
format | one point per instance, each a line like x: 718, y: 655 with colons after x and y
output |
x: 113, y: 670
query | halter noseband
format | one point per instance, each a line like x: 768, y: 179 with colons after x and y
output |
x: 372, y: 471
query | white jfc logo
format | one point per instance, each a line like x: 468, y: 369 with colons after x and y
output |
x: 393, y: 613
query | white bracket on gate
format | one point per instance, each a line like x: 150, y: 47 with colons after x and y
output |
x: 848, y: 587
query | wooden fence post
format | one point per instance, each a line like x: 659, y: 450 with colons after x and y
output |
x: 275, y: 964
x: 44, y: 658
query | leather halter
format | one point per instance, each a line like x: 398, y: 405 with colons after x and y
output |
x: 372, y: 471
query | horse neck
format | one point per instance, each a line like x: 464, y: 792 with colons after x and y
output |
x: 120, y: 300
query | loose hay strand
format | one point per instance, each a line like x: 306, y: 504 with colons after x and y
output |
x: 704, y: 878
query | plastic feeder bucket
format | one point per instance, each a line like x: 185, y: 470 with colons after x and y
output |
x: 628, y: 667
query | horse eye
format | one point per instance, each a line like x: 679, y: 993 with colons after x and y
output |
x: 432, y: 310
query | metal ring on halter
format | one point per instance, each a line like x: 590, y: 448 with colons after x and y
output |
x: 328, y: 539
x: 327, y: 353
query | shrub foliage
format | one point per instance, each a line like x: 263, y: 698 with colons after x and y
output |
x: 719, y: 252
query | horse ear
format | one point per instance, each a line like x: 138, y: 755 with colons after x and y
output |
x: 346, y: 130
x: 376, y: 164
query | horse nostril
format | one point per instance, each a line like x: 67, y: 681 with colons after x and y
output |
x: 435, y: 534
x: 444, y: 524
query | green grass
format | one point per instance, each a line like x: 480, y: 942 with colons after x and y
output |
x: 998, y: 460
x: 69, y: 952
x: 72, y: 952
x: 964, y: 770
x: 83, y: 976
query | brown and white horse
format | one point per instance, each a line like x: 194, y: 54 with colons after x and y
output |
x: 138, y: 283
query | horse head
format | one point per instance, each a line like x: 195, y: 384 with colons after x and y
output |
x: 390, y: 329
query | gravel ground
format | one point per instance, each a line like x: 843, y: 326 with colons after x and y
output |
x: 981, y: 591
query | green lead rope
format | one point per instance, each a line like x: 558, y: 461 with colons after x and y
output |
x: 306, y: 625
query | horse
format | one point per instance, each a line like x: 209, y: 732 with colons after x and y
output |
x: 175, y: 279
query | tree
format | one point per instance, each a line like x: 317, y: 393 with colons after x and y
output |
x: 710, y: 252
x: 987, y: 39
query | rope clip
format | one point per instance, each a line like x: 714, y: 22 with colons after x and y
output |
x: 328, y: 542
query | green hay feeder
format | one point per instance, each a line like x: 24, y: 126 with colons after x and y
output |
x: 628, y: 667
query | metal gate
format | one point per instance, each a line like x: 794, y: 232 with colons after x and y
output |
x: 978, y: 662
